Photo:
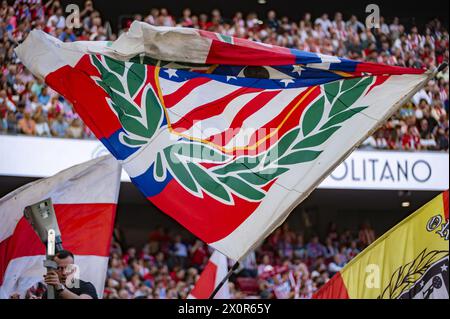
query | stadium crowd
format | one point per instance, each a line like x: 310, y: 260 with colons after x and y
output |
x: 28, y: 106
x: 287, y: 265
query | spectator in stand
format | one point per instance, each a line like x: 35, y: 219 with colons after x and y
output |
x: 27, y: 125
x: 199, y: 255
x: 366, y: 234
x: 59, y: 126
x: 392, y: 44
x: 353, y: 250
x: 411, y: 140
x: 354, y: 25
x: 442, y: 139
x: 186, y: 20
x: 44, y: 97
x: 249, y: 266
x: 300, y: 248
x: 330, y: 248
x: 315, y: 249
x: 336, y: 265
x: 42, y: 128
x: 180, y: 251
x: 272, y: 21
x: 75, y: 129
x: 11, y: 123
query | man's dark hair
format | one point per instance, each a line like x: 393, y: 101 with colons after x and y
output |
x: 64, y: 254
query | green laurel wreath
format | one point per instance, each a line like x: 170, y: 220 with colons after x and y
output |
x: 246, y: 175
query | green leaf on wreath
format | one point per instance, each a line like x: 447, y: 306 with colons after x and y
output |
x: 99, y: 65
x: 127, y: 107
x: 313, y: 115
x: 115, y: 65
x: 159, y: 168
x: 299, y: 157
x: 263, y: 177
x: 105, y: 87
x: 281, y: 147
x: 242, y: 188
x: 349, y: 97
x: 135, y: 77
x: 240, y: 164
x: 209, y: 184
x: 343, y: 116
x: 179, y: 171
x: 153, y: 111
x: 316, y: 139
x: 111, y: 80
x: 133, y: 142
x: 349, y: 83
x: 331, y: 90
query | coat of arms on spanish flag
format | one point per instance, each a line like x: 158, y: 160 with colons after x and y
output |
x: 408, y: 262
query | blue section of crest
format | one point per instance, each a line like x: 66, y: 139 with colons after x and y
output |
x: 119, y: 150
x: 147, y: 183
x: 309, y: 77
x: 346, y: 65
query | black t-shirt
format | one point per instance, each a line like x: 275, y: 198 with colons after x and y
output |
x: 85, y: 288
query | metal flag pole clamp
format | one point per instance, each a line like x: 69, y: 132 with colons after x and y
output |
x: 42, y: 218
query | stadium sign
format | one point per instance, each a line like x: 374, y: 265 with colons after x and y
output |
x: 382, y: 170
x: 391, y: 170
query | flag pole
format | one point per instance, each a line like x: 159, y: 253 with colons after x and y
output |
x: 442, y: 66
x: 219, y: 286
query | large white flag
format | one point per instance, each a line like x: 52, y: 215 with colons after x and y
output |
x: 225, y: 135
x: 85, y: 201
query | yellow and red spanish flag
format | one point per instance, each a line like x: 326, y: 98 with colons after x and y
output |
x: 408, y: 262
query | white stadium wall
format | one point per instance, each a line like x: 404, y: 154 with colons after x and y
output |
x: 371, y: 170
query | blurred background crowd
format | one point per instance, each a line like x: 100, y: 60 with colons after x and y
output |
x: 288, y: 264
x: 28, y: 106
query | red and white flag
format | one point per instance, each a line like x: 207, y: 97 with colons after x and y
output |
x: 214, y: 272
x: 85, y: 201
x: 239, y: 140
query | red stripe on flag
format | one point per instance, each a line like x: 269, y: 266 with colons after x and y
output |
x: 210, y: 220
x: 248, y: 109
x: 445, y: 199
x: 210, y: 109
x: 175, y: 97
x: 383, y: 69
x: 379, y: 80
x: 206, y: 283
x: 288, y: 118
x: 88, y: 99
x: 86, y: 229
x: 245, y: 52
x: 333, y: 289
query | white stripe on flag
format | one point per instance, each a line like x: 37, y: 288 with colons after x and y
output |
x: 220, y: 123
x: 94, y: 181
x: 202, y: 94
